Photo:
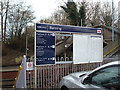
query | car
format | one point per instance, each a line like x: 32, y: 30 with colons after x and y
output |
x: 105, y: 77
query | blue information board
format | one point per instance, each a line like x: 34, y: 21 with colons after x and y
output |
x: 45, y: 48
x: 65, y: 28
x: 45, y: 42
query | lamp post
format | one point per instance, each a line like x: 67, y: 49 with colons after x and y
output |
x: 119, y: 15
x: 26, y: 42
x: 112, y: 20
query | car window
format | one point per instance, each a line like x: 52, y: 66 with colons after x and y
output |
x: 108, y: 77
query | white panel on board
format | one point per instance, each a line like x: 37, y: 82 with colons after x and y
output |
x: 87, y: 48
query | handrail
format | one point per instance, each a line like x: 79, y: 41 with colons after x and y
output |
x: 112, y: 50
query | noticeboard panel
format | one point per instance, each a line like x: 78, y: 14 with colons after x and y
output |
x: 87, y: 48
x: 44, y: 48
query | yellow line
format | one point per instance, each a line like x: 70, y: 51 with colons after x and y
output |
x: 111, y: 50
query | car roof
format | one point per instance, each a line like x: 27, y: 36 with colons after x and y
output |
x: 112, y: 63
x: 106, y: 65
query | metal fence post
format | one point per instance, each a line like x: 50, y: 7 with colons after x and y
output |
x: 24, y: 70
x: 35, y: 77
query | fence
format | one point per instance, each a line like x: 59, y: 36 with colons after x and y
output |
x: 49, y: 76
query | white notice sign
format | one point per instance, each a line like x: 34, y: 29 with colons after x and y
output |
x: 29, y: 65
x: 87, y: 48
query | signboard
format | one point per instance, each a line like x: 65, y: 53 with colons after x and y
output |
x: 87, y: 48
x: 65, y: 28
x: 29, y: 65
x: 45, y: 48
x: 46, y: 51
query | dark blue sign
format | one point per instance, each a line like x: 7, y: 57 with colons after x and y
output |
x: 66, y: 28
x: 45, y: 48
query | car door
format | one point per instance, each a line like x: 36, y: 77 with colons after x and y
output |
x: 108, y: 78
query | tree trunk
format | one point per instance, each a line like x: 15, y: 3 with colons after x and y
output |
x: 6, y: 15
x: 2, y: 21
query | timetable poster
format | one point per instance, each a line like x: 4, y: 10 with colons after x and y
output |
x: 45, y: 48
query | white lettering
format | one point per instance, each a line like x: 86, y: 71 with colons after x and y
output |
x: 55, y: 28
x: 41, y: 27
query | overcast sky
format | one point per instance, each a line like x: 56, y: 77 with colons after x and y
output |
x: 44, y: 8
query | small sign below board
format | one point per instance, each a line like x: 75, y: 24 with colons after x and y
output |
x: 29, y: 65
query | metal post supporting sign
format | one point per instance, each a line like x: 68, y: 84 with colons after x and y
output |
x: 44, y: 50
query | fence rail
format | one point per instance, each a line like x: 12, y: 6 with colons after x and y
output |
x: 49, y: 76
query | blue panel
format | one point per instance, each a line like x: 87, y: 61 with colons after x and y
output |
x: 65, y: 28
x: 45, y: 48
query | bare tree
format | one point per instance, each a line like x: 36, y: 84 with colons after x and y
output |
x: 19, y: 16
x: 96, y: 14
x: 58, y: 17
x: 4, y: 16
x: 99, y: 14
x: 106, y: 14
x: 93, y: 14
x: 1, y: 4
